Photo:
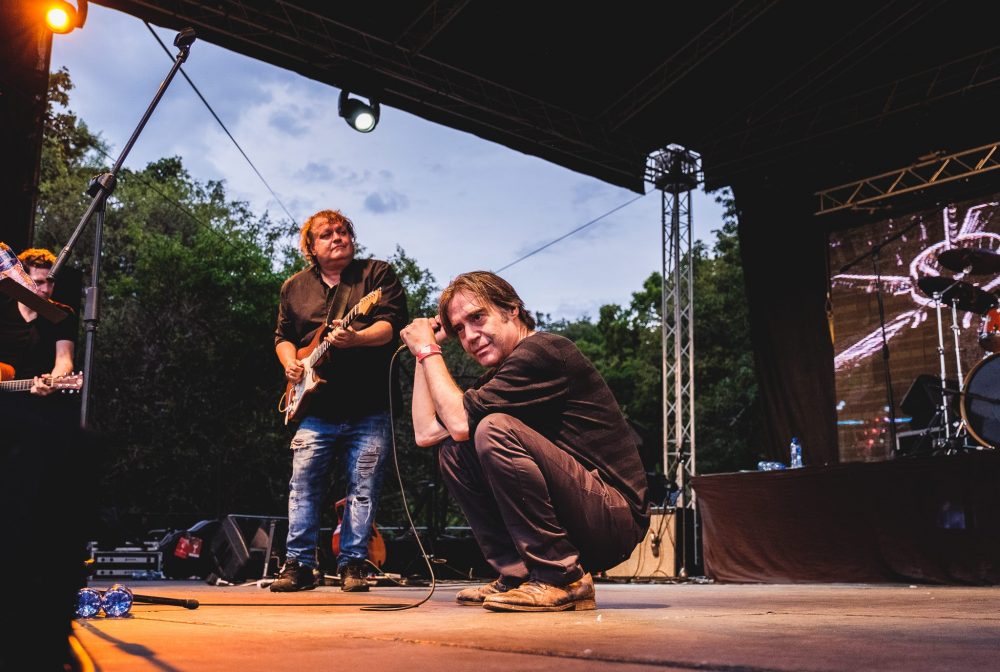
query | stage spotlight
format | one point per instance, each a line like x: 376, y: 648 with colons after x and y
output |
x: 62, y: 17
x: 359, y: 116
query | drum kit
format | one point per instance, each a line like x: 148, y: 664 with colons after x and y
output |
x: 979, y: 391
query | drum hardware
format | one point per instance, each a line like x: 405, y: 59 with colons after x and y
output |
x: 970, y: 260
x: 989, y: 331
x: 961, y: 296
x: 967, y: 297
x: 980, y: 401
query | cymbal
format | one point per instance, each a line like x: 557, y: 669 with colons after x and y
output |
x: 978, y: 260
x: 969, y: 297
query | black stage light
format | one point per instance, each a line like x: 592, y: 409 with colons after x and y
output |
x: 358, y: 115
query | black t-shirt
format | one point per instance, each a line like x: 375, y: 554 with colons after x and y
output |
x: 30, y: 347
x: 548, y: 384
x: 357, y: 379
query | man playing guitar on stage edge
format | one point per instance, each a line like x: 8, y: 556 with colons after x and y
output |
x: 33, y: 346
x: 350, y: 411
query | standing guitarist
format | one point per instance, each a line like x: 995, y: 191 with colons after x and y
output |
x: 33, y: 346
x: 350, y: 410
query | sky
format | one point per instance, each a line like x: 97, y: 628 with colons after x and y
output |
x: 453, y: 201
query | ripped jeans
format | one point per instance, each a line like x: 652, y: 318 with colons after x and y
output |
x: 367, y: 442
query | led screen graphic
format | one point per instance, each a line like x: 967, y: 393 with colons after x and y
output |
x: 921, y: 253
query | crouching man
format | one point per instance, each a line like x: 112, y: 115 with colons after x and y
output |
x: 537, y: 453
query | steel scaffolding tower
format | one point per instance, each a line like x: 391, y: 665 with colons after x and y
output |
x: 675, y: 171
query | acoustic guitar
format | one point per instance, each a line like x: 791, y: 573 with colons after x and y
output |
x: 69, y: 383
x: 296, y: 396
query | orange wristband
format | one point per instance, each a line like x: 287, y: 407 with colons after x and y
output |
x: 427, y: 351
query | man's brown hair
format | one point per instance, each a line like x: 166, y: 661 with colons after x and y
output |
x: 488, y: 287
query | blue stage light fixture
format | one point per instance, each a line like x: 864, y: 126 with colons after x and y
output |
x: 88, y: 603
x: 117, y: 601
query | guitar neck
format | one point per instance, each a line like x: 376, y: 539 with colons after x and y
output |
x: 324, y: 345
x: 16, y: 385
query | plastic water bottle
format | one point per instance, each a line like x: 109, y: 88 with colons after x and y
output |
x: 766, y: 465
x: 795, y: 450
x: 10, y: 267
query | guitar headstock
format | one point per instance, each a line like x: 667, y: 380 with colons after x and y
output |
x: 369, y: 300
x: 68, y: 383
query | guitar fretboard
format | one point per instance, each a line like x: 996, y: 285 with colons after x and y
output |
x: 16, y: 385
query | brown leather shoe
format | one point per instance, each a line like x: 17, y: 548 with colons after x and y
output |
x: 473, y: 597
x: 538, y: 596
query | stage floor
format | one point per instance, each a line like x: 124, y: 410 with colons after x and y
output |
x: 682, y: 626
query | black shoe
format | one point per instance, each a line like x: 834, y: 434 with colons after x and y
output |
x: 294, y: 577
x: 352, y: 577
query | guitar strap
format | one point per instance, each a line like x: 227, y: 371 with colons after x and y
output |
x: 338, y: 307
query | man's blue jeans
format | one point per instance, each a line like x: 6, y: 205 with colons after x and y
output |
x: 367, y: 442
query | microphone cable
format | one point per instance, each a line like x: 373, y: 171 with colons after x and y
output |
x: 393, y: 364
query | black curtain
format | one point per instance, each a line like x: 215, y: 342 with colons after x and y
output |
x: 784, y: 251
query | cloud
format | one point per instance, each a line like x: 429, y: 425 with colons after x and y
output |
x: 284, y: 121
x: 315, y: 172
x: 386, y: 201
x: 586, y: 191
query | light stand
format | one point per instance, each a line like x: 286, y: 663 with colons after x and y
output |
x: 100, y: 189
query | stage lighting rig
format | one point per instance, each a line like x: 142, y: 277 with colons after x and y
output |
x: 62, y: 17
x: 358, y: 115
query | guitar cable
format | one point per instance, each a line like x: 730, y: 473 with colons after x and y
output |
x: 393, y: 363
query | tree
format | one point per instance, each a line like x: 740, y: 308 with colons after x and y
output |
x: 185, y: 381
x: 625, y: 346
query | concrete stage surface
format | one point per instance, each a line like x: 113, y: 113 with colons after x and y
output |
x: 637, y: 626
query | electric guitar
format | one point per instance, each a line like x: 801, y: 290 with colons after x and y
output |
x: 296, y: 396
x: 69, y: 383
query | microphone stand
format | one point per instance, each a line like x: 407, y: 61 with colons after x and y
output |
x: 100, y: 189
x: 874, y: 254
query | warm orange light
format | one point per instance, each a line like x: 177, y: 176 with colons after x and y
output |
x: 62, y: 17
x: 57, y: 19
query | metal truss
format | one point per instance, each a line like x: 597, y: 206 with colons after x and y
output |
x: 675, y: 172
x: 927, y: 173
x: 307, y: 38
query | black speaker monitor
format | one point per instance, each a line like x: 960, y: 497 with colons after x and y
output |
x: 243, y: 546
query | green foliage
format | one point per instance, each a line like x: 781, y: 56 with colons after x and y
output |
x: 186, y: 384
x: 625, y: 346
x: 725, y: 381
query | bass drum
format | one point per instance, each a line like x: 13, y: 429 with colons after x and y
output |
x: 981, y: 401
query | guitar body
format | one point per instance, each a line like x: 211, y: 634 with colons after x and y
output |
x: 376, y: 545
x: 297, y: 394
x: 6, y: 371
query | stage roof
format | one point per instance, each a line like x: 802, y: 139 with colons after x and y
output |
x: 752, y: 85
